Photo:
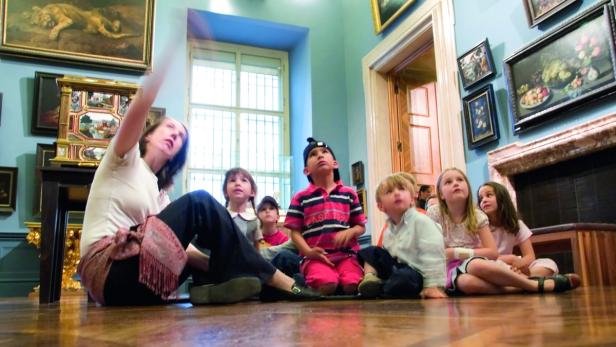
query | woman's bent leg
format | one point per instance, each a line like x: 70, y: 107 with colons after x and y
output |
x: 198, y: 213
x: 122, y: 286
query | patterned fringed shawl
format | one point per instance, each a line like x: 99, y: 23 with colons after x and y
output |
x: 161, y: 258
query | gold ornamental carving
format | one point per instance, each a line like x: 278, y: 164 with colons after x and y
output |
x: 71, y: 251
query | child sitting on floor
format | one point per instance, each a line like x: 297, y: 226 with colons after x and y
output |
x: 471, y: 250
x: 509, y: 231
x: 412, y: 260
x: 325, y: 221
x: 268, y: 214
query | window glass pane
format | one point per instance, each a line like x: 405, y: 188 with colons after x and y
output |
x: 260, y: 142
x: 212, y: 141
x: 229, y: 129
x: 260, y: 83
x: 210, y: 182
x: 213, y: 83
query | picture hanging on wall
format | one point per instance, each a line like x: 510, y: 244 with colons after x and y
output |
x: 361, y: 195
x: 114, y: 34
x: 476, y: 65
x: 572, y: 65
x: 384, y: 12
x: 357, y: 170
x: 8, y: 188
x: 46, y: 104
x: 155, y: 115
x: 539, y: 10
x: 480, y: 117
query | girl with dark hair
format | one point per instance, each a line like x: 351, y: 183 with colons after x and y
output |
x: 136, y: 246
x: 471, y: 250
x: 239, y: 189
x: 509, y: 231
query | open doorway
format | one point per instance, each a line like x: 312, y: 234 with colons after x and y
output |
x: 415, y: 146
x: 432, y: 22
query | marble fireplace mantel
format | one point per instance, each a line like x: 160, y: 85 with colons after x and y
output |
x: 592, y: 136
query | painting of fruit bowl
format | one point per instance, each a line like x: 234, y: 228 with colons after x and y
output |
x: 563, y: 70
x: 535, y: 97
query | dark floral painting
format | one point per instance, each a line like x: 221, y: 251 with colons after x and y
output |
x: 480, y: 117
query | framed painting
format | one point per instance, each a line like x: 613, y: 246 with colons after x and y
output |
x: 155, y: 115
x: 46, y: 104
x: 91, y: 111
x: 384, y: 12
x: 44, y: 154
x: 8, y: 188
x: 572, y: 65
x: 115, y: 34
x: 539, y: 10
x: 480, y: 117
x: 361, y: 195
x: 476, y: 65
x: 357, y: 171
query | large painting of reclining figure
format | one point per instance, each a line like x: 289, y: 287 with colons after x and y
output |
x: 109, y: 33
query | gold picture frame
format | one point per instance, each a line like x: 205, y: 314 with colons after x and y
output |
x: 384, y: 12
x: 118, y: 33
x: 361, y: 195
x: 91, y: 111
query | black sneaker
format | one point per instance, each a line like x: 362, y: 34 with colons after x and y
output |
x: 297, y: 293
x: 233, y: 290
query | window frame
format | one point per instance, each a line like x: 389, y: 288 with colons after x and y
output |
x: 194, y: 45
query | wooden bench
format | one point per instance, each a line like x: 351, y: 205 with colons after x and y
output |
x: 592, y: 247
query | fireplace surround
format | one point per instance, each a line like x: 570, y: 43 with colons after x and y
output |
x: 590, y: 245
x: 507, y: 161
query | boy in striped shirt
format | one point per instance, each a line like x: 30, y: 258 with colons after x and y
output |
x: 325, y: 220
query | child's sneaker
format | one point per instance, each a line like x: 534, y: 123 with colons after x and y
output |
x: 370, y: 286
x: 233, y: 290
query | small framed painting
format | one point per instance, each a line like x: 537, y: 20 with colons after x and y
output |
x: 480, y: 117
x: 361, y: 195
x: 8, y: 188
x: 476, y: 65
x: 155, y: 115
x: 357, y: 171
x: 46, y: 105
x: 539, y: 10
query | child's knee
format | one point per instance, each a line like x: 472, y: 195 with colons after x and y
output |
x: 318, y: 274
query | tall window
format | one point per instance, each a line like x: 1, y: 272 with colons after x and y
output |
x: 238, y: 116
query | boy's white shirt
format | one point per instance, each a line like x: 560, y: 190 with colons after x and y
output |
x: 418, y: 242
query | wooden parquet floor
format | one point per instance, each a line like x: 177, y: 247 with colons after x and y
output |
x: 584, y: 317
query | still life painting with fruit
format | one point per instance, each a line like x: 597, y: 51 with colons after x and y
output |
x: 571, y: 64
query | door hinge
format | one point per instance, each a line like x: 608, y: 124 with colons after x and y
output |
x: 399, y: 146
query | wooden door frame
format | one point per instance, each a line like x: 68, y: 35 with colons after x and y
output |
x: 433, y: 20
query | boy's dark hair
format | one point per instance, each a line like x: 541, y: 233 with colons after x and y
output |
x: 312, y: 144
x: 506, y: 212
x: 268, y: 200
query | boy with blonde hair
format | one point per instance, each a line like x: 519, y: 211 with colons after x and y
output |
x: 411, y: 261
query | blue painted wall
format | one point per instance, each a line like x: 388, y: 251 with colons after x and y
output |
x: 504, y: 23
